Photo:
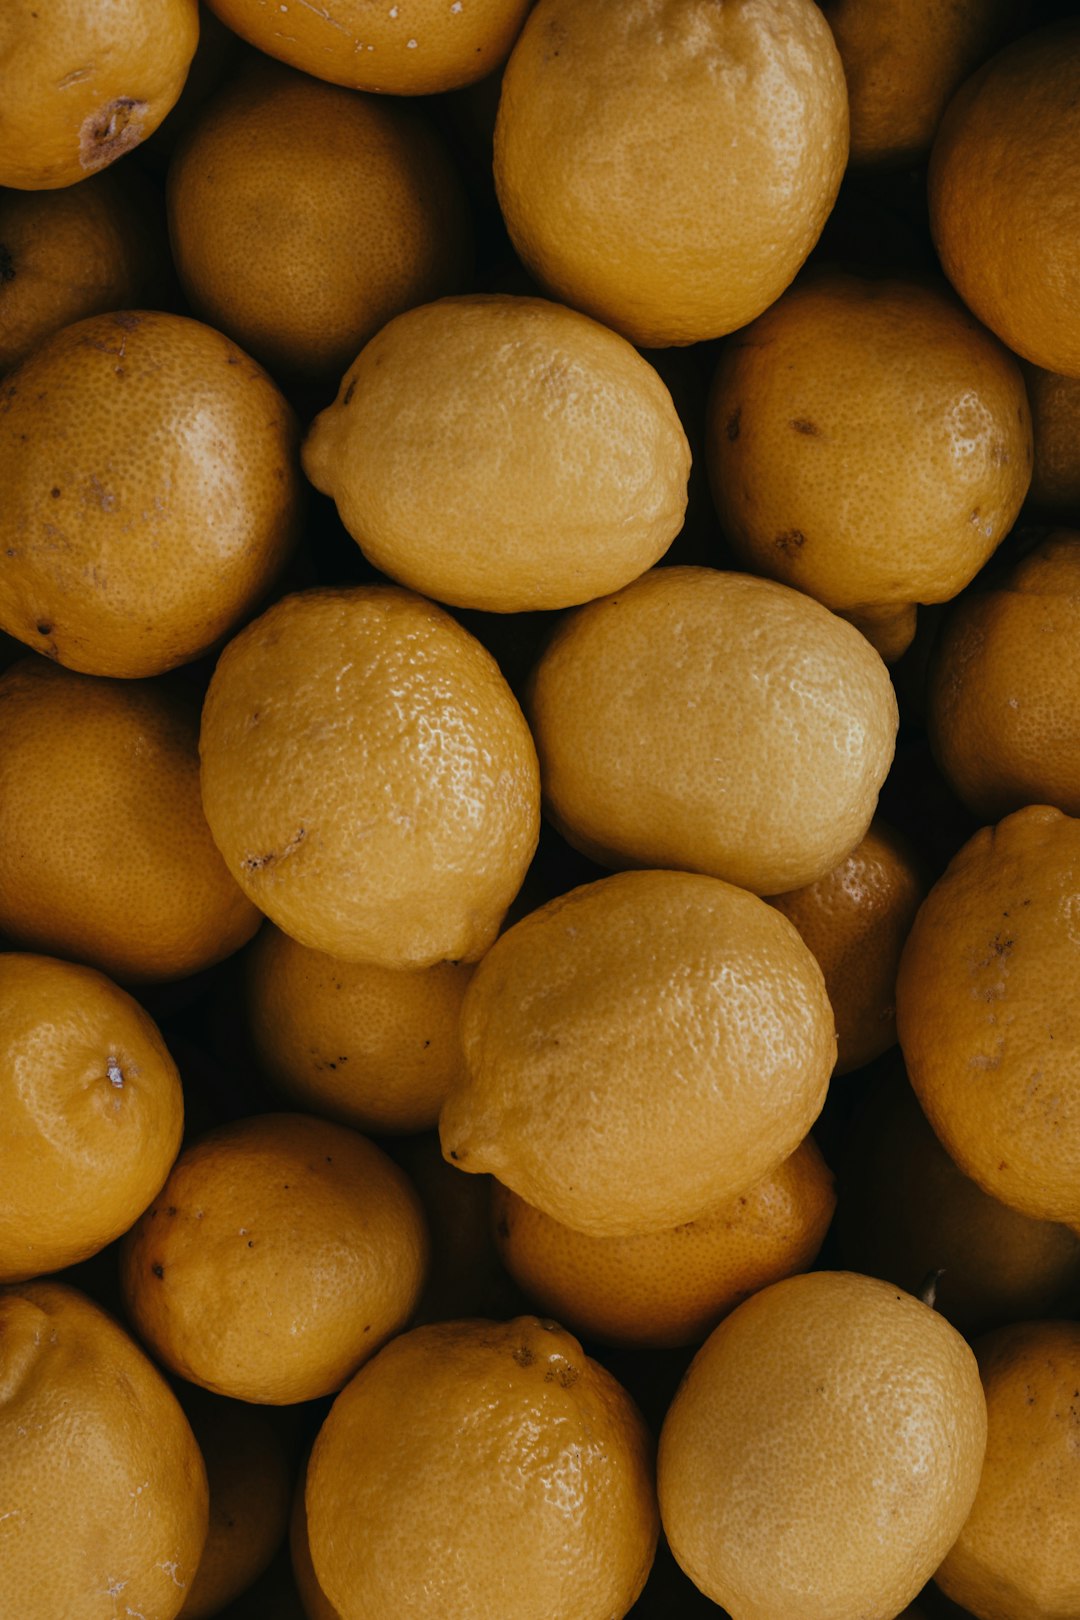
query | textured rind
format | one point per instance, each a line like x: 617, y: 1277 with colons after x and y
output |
x: 1016, y: 1557
x: 369, y: 778
x: 576, y: 460
x: 384, y: 218
x: 713, y: 722
x: 822, y: 1452
x: 372, y: 1047
x: 119, y: 869
x: 1004, y: 689
x: 416, y: 48
x: 105, y: 1493
x: 638, y: 1050
x: 868, y: 442
x: 669, y: 1288
x: 74, y: 253
x: 280, y: 1254
x: 987, y: 1016
x: 667, y: 165
x: 479, y: 1468
x: 903, y: 61
x: 1004, y: 211
x: 152, y: 492
x: 83, y: 84
x: 855, y: 920
x: 93, y: 1113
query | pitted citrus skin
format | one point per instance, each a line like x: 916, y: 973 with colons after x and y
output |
x: 638, y: 1050
x: 369, y: 777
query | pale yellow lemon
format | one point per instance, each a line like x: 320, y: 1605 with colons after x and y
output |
x: 369, y: 777
x: 822, y: 1452
x: 638, y: 1050
x: 712, y: 721
x: 503, y: 453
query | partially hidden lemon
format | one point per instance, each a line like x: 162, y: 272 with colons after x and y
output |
x: 667, y: 165
x: 822, y: 1452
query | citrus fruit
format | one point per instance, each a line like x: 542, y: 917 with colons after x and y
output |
x: 1005, y: 688
x: 316, y: 1604
x: 103, y: 1497
x: 903, y: 61
x: 1016, y: 1556
x: 638, y: 1050
x: 249, y: 1487
x: 667, y: 165
x: 93, y: 1113
x: 1055, y: 420
x: 117, y: 868
x: 369, y: 778
x: 503, y: 453
x: 83, y: 84
x: 988, y: 1023
x: 280, y: 1254
x: 479, y: 1468
x: 992, y: 1264
x: 855, y: 921
x: 822, y: 1452
x: 373, y: 1047
x: 152, y: 492
x: 869, y: 443
x: 1003, y: 210
x: 669, y: 1288
x: 712, y: 721
x: 382, y: 226
x: 68, y: 254
x: 411, y: 48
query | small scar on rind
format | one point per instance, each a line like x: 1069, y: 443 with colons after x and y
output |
x: 112, y: 130
x: 259, y: 863
x: 802, y: 424
x: 791, y: 541
x: 733, y: 422
x: 565, y: 1376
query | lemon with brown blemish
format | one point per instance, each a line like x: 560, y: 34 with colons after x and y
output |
x: 868, y: 443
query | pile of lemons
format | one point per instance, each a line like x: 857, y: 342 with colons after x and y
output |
x: 493, y: 497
